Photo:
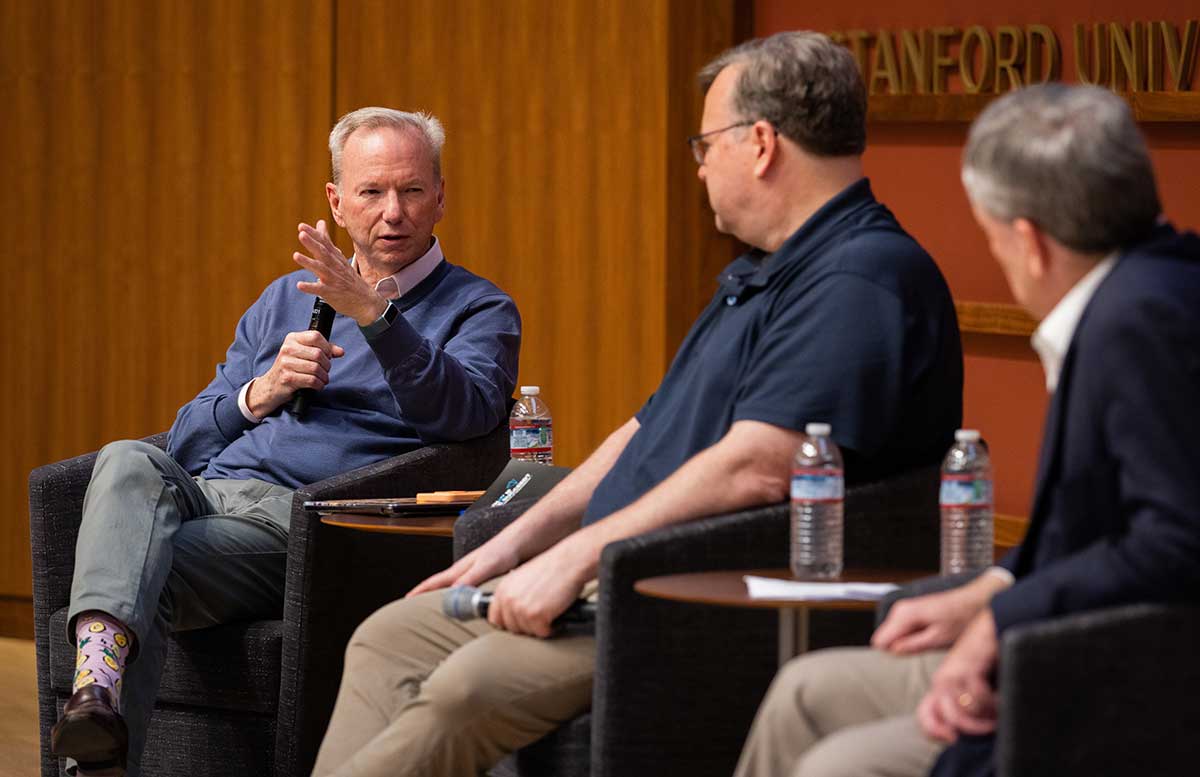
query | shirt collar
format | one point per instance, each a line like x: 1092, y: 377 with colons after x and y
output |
x: 404, y: 281
x: 755, y: 268
x: 1053, y: 336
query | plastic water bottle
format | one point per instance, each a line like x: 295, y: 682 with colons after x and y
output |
x: 529, y: 433
x: 818, y: 486
x: 966, y: 502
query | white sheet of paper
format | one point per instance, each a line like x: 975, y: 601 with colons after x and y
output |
x: 772, y: 588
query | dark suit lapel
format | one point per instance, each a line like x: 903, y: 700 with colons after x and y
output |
x: 1047, y: 472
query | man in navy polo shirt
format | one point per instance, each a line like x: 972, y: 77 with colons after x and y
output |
x: 836, y: 315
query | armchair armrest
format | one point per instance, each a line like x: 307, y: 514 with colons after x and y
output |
x: 926, y: 585
x: 337, y: 577
x: 477, y: 526
x: 707, y: 668
x: 1106, y: 692
x: 702, y: 668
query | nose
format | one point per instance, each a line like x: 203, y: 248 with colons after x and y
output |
x: 392, y: 211
x: 701, y: 171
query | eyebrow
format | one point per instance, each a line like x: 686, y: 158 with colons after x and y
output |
x: 372, y: 184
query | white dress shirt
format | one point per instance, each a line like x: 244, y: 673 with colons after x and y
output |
x: 1053, y: 336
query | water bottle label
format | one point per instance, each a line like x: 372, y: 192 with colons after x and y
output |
x: 817, y: 485
x: 533, y: 436
x: 965, y: 491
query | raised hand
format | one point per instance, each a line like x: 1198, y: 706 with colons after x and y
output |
x: 337, y: 282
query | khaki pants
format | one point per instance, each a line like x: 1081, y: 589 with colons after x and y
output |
x: 843, y: 712
x: 425, y: 695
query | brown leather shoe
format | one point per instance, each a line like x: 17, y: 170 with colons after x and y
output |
x: 92, y: 732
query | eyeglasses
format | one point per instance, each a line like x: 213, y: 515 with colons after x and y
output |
x: 700, y: 146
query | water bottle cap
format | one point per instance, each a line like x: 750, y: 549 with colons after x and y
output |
x: 530, y: 391
x: 967, y: 435
x: 818, y: 430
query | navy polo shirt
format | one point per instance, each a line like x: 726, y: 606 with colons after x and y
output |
x: 850, y: 322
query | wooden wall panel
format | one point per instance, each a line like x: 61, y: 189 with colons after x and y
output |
x: 161, y: 154
x: 555, y: 114
x: 158, y: 157
x: 696, y: 252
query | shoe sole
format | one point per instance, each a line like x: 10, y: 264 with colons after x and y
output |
x: 88, y: 739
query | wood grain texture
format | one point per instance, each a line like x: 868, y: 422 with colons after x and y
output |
x: 159, y: 156
x: 16, y: 617
x: 556, y: 185
x: 994, y: 318
x: 19, y: 724
x: 695, y: 252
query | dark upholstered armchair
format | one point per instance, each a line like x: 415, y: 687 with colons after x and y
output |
x: 677, y: 685
x: 254, y: 698
x: 1111, y: 691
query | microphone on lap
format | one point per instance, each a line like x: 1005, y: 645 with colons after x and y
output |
x: 466, y: 602
x: 321, y: 321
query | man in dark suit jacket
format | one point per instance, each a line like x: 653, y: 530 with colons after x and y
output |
x: 1061, y: 184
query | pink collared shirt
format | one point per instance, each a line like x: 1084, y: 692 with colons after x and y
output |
x: 396, y: 286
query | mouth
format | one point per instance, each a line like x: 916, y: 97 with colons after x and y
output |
x: 392, y: 239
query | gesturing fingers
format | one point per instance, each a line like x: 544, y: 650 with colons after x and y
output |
x: 317, y: 240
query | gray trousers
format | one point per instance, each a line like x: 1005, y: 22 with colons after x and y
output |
x: 843, y: 713
x: 423, y: 695
x: 162, y: 551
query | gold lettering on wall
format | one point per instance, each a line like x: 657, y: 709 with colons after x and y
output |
x: 1154, y: 57
x: 1043, y: 58
x: 1181, y: 57
x: 976, y: 43
x: 1093, y: 69
x: 1134, y: 57
x: 915, y: 62
x: 883, y: 66
x: 1010, y: 55
x: 943, y: 61
x: 1126, y: 51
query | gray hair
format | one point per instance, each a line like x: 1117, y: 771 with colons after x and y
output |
x: 805, y: 85
x: 1067, y: 158
x: 426, y: 125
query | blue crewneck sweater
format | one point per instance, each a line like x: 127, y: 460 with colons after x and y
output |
x: 442, y: 372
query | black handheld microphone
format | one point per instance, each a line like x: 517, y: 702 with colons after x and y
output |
x: 466, y: 602
x: 321, y: 321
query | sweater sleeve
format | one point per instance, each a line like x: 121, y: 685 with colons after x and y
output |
x: 460, y: 389
x: 212, y: 420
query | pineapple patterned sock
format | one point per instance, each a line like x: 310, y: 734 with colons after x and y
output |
x: 103, y: 644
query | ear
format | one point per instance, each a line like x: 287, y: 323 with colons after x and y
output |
x: 766, y: 145
x: 334, y: 195
x: 1035, y: 251
x: 441, y: 200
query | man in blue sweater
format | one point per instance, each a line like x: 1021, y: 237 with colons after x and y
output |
x: 420, y: 351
